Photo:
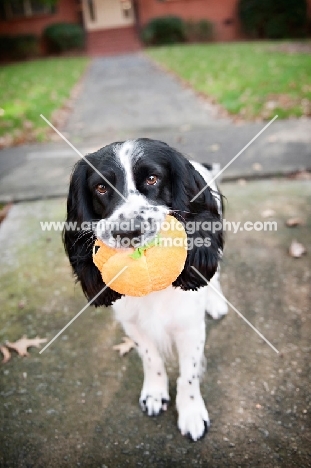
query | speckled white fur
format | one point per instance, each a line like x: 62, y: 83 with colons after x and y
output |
x: 135, y: 204
x: 165, y: 318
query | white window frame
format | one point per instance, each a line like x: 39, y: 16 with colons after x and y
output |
x: 27, y: 10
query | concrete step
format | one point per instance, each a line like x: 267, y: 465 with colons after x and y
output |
x: 113, y: 41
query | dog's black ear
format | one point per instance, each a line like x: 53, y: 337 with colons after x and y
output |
x: 203, y: 219
x: 78, y: 241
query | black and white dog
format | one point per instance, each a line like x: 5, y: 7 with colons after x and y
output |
x: 154, y: 180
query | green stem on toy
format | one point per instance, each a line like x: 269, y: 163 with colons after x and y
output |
x: 139, y: 251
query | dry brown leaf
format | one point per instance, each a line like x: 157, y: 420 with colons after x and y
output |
x: 124, y: 347
x: 272, y: 138
x: 268, y: 213
x: 4, y: 211
x: 6, y: 354
x: 214, y: 147
x: 301, y: 175
x: 21, y: 345
x: 257, y: 167
x: 296, y: 249
x: 293, y: 222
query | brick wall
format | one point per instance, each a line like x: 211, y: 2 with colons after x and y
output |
x: 223, y: 13
x: 66, y: 10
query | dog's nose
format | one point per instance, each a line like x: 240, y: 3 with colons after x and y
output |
x: 134, y: 229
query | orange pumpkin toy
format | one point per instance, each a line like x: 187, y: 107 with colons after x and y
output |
x: 150, y: 268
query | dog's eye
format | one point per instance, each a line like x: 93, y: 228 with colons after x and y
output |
x: 101, y: 188
x: 152, y: 180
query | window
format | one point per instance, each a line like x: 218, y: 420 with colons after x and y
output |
x: 90, y: 6
x: 126, y: 6
x: 24, y: 8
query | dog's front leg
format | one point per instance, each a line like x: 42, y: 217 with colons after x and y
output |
x: 193, y: 417
x: 154, y: 395
x: 216, y: 305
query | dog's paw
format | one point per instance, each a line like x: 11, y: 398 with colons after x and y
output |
x: 193, y: 419
x: 153, y: 400
x: 216, y: 307
x: 125, y: 347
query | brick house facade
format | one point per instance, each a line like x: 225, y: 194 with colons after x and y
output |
x: 28, y: 22
x: 112, y: 26
x: 222, y: 13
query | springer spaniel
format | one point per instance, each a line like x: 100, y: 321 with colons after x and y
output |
x: 144, y: 180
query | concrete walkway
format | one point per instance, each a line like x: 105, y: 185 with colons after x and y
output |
x: 76, y: 404
x: 128, y: 97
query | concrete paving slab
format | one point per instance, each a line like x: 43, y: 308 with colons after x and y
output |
x: 77, y: 403
x: 129, y: 93
x: 129, y: 97
x: 35, y: 172
x: 45, y: 170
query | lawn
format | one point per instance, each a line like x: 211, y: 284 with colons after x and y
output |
x: 32, y: 88
x: 252, y: 80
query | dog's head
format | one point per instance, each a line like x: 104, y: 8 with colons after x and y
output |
x: 122, y: 193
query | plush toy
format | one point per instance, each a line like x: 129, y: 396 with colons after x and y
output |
x: 149, y: 268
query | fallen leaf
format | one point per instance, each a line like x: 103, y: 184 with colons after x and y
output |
x: 4, y: 211
x: 268, y: 213
x: 271, y: 105
x: 296, y: 249
x: 6, y: 354
x: 124, y: 347
x: 272, y: 138
x: 214, y: 147
x: 301, y: 175
x: 21, y: 346
x: 293, y: 222
x: 27, y: 125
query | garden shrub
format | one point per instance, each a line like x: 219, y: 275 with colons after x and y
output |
x: 19, y: 46
x: 61, y: 37
x: 164, y: 30
x: 26, y: 46
x: 277, y: 19
x: 5, y: 45
x: 199, y: 31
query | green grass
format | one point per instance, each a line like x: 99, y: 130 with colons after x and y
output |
x: 32, y: 88
x: 249, y: 79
